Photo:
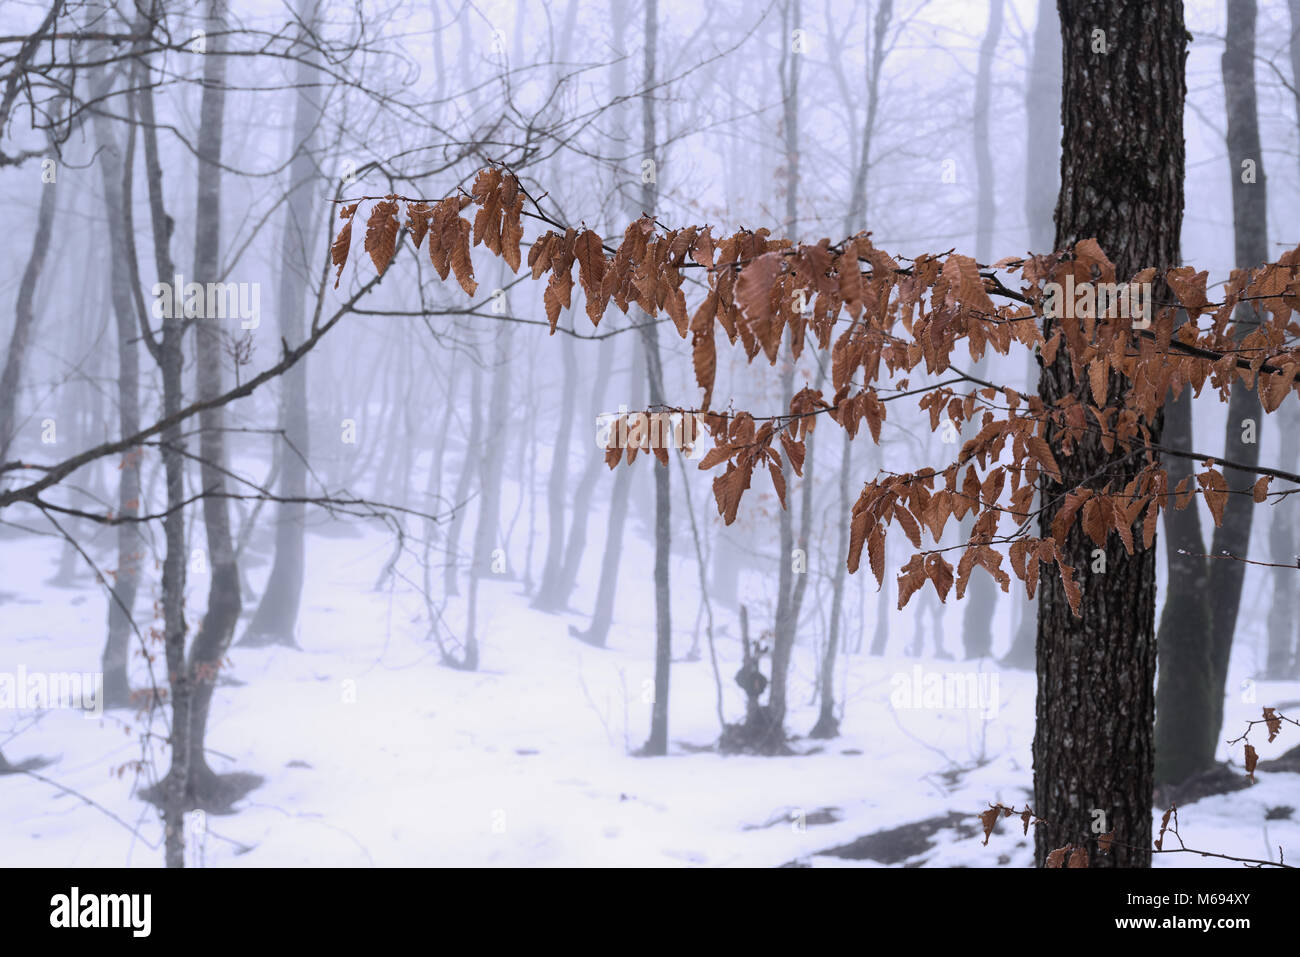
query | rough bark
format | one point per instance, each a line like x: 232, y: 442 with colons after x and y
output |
x: 1121, y: 182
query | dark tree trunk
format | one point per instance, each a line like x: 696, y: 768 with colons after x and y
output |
x: 171, y: 365
x: 1245, y: 417
x: 1204, y: 594
x: 1122, y: 183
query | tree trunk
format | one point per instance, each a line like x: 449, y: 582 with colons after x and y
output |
x: 460, y: 499
x: 130, y: 546
x: 1283, y: 656
x: 577, y: 538
x: 1196, y: 630
x: 982, y: 601
x: 828, y: 726
x: 171, y: 365
x: 276, y: 617
x: 770, y: 735
x: 1042, y: 184
x: 1245, y: 416
x: 487, y: 535
x: 24, y: 318
x: 557, y: 486
x: 657, y: 744
x: 190, y: 770
x: 1122, y: 183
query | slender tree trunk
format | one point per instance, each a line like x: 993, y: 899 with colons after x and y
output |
x: 828, y: 726
x: 24, y: 318
x: 557, y: 485
x: 487, y: 536
x: 1042, y: 184
x: 1245, y: 416
x: 657, y: 744
x: 771, y: 736
x: 171, y: 365
x: 467, y: 467
x: 577, y: 538
x: 190, y: 769
x: 1281, y: 654
x: 130, y: 546
x: 276, y: 617
x: 1122, y: 183
x: 982, y: 601
x: 1204, y: 594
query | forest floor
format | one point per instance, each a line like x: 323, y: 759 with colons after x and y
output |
x: 373, y: 753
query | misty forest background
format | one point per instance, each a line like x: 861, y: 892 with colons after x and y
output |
x: 432, y: 606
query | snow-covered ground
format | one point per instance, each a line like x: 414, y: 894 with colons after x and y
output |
x: 375, y: 754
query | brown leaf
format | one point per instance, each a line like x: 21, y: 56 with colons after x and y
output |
x: 989, y: 820
x: 910, y: 579
x: 590, y: 254
x: 1164, y: 824
x: 1274, y: 724
x: 1079, y: 858
x: 705, y: 357
x: 1073, y: 594
x: 461, y: 263
x: 339, y: 251
x: 876, y: 553
x: 1252, y: 759
x: 1040, y: 450
x: 754, y: 287
x: 778, y: 481
x: 1215, y: 487
x: 939, y: 571
x: 381, y: 234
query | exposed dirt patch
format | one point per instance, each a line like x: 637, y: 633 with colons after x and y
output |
x: 897, y: 844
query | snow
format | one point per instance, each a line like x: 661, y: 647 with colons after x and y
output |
x: 374, y: 754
